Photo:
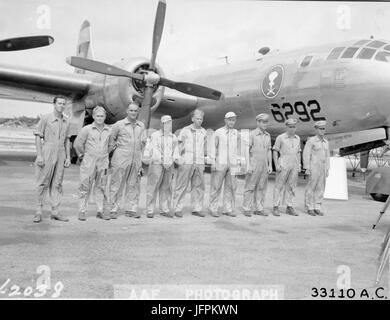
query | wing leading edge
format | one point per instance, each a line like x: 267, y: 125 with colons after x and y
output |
x: 27, y: 84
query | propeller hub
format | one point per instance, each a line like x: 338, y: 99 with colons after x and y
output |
x: 151, y: 78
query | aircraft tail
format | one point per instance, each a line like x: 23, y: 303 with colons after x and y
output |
x: 84, y: 46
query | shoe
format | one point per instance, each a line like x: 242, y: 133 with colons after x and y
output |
x: 150, y: 215
x: 102, y: 216
x: 113, y: 215
x: 260, y: 213
x: 311, y: 212
x: 179, y: 214
x: 166, y: 214
x: 275, y: 212
x: 82, y: 216
x: 318, y: 212
x: 198, y: 214
x: 247, y: 213
x: 59, y: 217
x: 229, y: 214
x: 37, y: 218
x: 215, y: 214
x: 290, y: 211
x: 132, y: 214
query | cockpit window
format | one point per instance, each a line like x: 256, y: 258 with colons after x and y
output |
x: 350, y: 52
x: 376, y: 44
x: 335, y: 53
x: 366, y: 53
x: 361, y: 42
x: 306, y: 61
x: 383, y: 56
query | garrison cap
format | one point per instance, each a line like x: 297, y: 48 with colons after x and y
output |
x: 290, y: 122
x: 230, y: 114
x: 262, y: 117
x: 321, y: 123
x: 166, y: 118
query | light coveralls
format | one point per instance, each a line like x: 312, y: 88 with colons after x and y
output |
x: 256, y: 182
x: 289, y: 149
x: 127, y: 139
x: 93, y: 144
x: 191, y: 168
x: 227, y: 143
x: 316, y: 157
x: 160, y: 152
x: 54, y: 132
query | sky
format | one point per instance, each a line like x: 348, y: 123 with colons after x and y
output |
x: 196, y: 33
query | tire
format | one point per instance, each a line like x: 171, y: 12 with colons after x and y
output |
x: 379, y: 197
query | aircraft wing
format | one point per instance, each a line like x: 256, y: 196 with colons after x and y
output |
x: 22, y: 83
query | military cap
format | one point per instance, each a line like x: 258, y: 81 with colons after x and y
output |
x: 230, y: 114
x: 321, y: 123
x: 290, y: 122
x: 262, y: 117
x: 166, y: 118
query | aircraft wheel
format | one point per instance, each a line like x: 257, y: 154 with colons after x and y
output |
x: 379, y: 197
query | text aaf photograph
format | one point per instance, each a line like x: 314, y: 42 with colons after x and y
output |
x: 194, y: 150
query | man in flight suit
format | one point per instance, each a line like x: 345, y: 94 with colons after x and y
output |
x: 225, y: 167
x: 92, y: 146
x: 128, y: 137
x: 192, y: 146
x: 316, y: 162
x: 53, y: 155
x: 160, y: 153
x: 259, y: 166
x: 287, y: 159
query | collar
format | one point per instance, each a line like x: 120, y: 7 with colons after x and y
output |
x: 54, y: 118
x: 227, y: 128
x: 294, y: 136
x: 127, y: 121
x: 192, y: 127
x: 161, y: 133
x: 105, y: 127
x: 259, y: 132
x: 319, y: 139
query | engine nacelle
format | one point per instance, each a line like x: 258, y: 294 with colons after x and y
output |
x: 115, y: 93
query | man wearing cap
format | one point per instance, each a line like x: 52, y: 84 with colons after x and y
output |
x: 316, y: 162
x: 91, y: 145
x: 160, y: 153
x: 127, y: 139
x: 287, y: 159
x: 259, y: 159
x: 192, y: 147
x: 225, y: 166
x: 53, y: 156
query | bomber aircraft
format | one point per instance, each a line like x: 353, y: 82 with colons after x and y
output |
x: 347, y: 84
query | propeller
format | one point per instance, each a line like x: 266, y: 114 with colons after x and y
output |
x: 149, y: 77
x: 23, y: 43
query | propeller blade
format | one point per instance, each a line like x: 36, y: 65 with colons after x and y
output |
x: 145, y: 111
x: 192, y: 89
x: 157, y: 31
x: 23, y: 43
x: 100, y: 67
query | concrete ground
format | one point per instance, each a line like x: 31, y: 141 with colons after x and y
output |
x: 90, y: 257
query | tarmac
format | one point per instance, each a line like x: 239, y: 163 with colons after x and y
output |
x: 89, y: 259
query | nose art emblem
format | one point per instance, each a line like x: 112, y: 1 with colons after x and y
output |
x: 272, y: 82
